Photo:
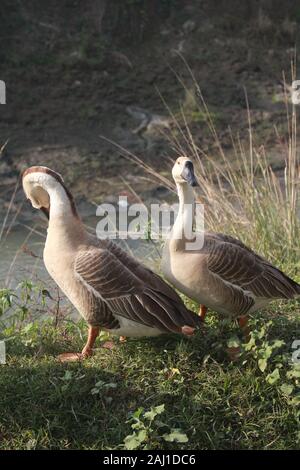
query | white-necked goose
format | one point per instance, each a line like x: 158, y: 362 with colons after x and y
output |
x: 224, y: 275
x: 109, y: 288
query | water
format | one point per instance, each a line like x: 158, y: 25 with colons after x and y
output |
x: 21, y: 258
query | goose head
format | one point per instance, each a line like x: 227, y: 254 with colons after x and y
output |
x: 43, y: 186
x: 183, y: 172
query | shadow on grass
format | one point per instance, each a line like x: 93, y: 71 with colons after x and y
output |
x: 59, y: 406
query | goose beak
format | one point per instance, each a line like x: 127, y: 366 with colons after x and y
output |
x: 188, y: 174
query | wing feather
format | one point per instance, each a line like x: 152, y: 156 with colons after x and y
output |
x: 233, y: 262
x: 130, y: 290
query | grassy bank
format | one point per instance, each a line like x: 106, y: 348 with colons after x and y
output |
x: 196, y: 396
x: 166, y: 393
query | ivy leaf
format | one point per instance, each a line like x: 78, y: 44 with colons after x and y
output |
x: 251, y: 344
x: 99, y: 384
x: 68, y: 375
x: 111, y: 385
x: 175, y: 436
x: 267, y: 352
x: 133, y: 441
x: 296, y: 399
x: 273, y: 377
x: 138, y: 413
x: 277, y: 343
x: 233, y: 342
x: 262, y: 364
x: 293, y: 373
x: 287, y: 389
x: 156, y: 410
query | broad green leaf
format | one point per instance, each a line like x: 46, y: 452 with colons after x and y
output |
x: 296, y: 400
x: 138, y: 413
x: 156, y: 410
x: 262, y: 364
x: 267, y: 352
x: 176, y: 436
x: 287, y: 389
x: 273, y: 377
x: 133, y: 441
x: 278, y: 343
x: 68, y: 375
x: 251, y: 344
x: 233, y: 342
x: 110, y: 385
x: 293, y: 373
x: 99, y: 384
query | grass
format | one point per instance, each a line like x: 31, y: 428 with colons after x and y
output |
x: 205, y: 400
x: 216, y: 403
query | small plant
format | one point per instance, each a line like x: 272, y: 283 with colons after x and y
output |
x: 147, y: 428
x: 262, y: 349
x: 28, y: 302
x: 274, y: 363
x: 6, y: 300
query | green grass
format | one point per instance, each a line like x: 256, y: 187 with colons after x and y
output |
x: 214, y: 402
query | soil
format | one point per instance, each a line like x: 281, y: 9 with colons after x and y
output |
x: 73, y: 72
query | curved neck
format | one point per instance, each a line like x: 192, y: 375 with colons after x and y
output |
x: 60, y: 204
x: 63, y: 216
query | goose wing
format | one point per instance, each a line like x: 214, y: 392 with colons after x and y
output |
x: 142, y: 272
x: 236, y: 264
x: 126, y: 294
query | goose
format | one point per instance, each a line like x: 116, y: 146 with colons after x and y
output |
x: 224, y: 274
x: 110, y: 289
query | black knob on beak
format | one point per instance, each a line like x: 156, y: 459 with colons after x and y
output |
x: 188, y: 174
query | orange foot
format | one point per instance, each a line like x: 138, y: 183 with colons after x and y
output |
x: 187, y: 330
x: 75, y: 357
x: 70, y: 357
x: 108, y: 345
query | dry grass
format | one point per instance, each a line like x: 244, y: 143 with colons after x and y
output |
x: 241, y: 193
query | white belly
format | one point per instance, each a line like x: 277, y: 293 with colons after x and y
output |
x: 134, y: 329
x: 185, y: 272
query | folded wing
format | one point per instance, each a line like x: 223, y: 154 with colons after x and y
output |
x: 130, y: 290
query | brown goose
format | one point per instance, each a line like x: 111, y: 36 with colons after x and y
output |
x: 224, y: 274
x: 110, y: 289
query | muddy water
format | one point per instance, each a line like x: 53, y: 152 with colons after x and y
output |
x: 16, y: 263
x: 21, y: 253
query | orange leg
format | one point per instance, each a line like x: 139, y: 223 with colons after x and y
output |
x: 87, y: 350
x: 202, y: 312
x: 243, y: 324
